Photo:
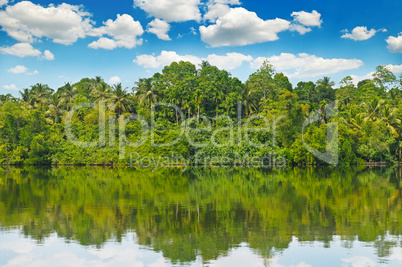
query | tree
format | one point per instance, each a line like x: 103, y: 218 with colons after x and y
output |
x: 261, y: 82
x: 383, y: 77
x: 146, y: 92
x: 68, y: 93
x: 40, y: 94
x: 101, y: 92
x: 119, y: 99
x: 390, y: 118
x: 55, y: 109
x: 373, y: 109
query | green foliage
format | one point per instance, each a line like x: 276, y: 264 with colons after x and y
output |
x: 32, y: 128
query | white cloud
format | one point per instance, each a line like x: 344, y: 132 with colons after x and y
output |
x: 160, y: 28
x: 11, y: 87
x: 360, y: 261
x: 302, y: 21
x: 26, y: 50
x: 48, y: 55
x: 359, y: 33
x: 171, y: 10
x: 307, y: 19
x: 3, y: 2
x: 228, y: 61
x: 124, y: 31
x: 20, y: 50
x: 114, y: 80
x: 104, y: 43
x: 395, y: 68
x: 395, y: 44
x: 33, y: 73
x: 18, y: 69
x: 27, y: 22
x: 305, y: 65
x: 356, y: 79
x: 242, y: 27
x: 300, y: 28
x: 165, y: 58
x: 218, y: 8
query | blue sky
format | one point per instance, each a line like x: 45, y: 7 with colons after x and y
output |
x: 55, y: 42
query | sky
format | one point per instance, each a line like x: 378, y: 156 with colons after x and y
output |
x: 55, y: 42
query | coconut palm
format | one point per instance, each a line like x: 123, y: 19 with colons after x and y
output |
x: 101, y: 92
x: 389, y: 117
x: 40, y: 94
x: 68, y: 94
x: 26, y: 96
x: 119, y: 99
x: 55, y: 109
x: 326, y: 82
x: 373, y: 109
x: 247, y: 96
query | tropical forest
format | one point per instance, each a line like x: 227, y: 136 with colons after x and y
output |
x: 217, y: 110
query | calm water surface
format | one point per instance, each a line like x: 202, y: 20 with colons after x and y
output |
x: 200, y: 217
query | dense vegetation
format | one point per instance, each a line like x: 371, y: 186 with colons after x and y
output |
x: 32, y: 127
x: 185, y: 214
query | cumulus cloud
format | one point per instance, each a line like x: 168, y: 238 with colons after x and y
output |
x: 299, y: 28
x: 11, y: 87
x: 356, y: 79
x: 27, y: 22
x: 171, y: 10
x: 218, y: 8
x: 394, y: 68
x: 242, y: 27
x: 20, y: 50
x: 395, y: 44
x: 18, y: 69
x: 26, y: 50
x: 124, y: 32
x: 48, y: 55
x: 360, y: 33
x: 159, y: 28
x: 3, y: 2
x: 165, y: 58
x: 114, y: 80
x: 302, y: 21
x: 228, y: 61
x: 305, y: 65
x: 307, y: 19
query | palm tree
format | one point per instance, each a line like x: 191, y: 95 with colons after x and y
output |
x: 26, y: 96
x: 68, y: 95
x: 101, y: 92
x: 119, y: 99
x: 353, y: 118
x: 217, y: 97
x: 4, y: 98
x: 40, y: 94
x: 55, y: 109
x: 248, y: 104
x: 326, y: 82
x: 373, y: 109
x: 389, y: 116
x: 146, y: 92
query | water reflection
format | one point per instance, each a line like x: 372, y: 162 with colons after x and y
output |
x: 206, y: 216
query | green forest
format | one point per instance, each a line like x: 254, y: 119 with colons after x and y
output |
x: 32, y: 126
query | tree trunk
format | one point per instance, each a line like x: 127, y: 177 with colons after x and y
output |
x: 198, y: 113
